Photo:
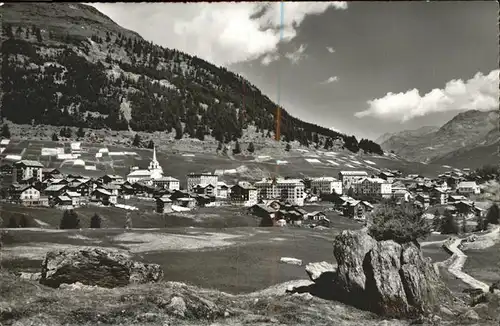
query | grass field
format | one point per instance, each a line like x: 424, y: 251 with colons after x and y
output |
x: 248, y: 257
x: 484, y: 264
x: 177, y: 164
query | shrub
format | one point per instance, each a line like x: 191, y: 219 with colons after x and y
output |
x: 448, y: 224
x: 493, y: 215
x: 400, y: 223
x: 95, y: 222
x: 70, y: 220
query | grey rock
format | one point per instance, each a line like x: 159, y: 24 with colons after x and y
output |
x: 350, y: 249
x: 177, y: 306
x: 471, y: 315
x: 30, y: 276
x: 95, y: 266
x: 385, y: 277
x: 314, y: 270
x: 385, y: 283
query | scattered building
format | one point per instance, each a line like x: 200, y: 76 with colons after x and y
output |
x: 468, y: 188
x: 26, y: 169
x: 348, y: 177
x: 244, y: 193
x: 325, y: 185
x: 289, y: 190
x: 201, y: 179
x: 169, y: 183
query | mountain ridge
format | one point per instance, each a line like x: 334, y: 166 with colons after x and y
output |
x: 84, y: 70
x: 462, y: 134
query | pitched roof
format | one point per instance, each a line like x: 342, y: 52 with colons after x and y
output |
x: 55, y: 187
x: 30, y: 163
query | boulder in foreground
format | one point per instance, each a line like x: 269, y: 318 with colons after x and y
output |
x: 385, y: 277
x: 95, y: 266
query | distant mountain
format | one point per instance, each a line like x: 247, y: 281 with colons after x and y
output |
x: 403, y: 137
x: 69, y: 64
x: 466, y: 131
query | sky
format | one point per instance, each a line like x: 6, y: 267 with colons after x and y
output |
x: 363, y: 68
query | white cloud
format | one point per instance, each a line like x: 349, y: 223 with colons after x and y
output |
x: 330, y: 49
x: 268, y: 58
x: 330, y: 80
x: 478, y: 93
x: 222, y: 33
x: 297, y: 55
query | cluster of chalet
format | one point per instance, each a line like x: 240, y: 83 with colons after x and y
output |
x: 278, y: 213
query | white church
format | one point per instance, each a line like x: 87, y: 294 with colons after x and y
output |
x: 154, y: 172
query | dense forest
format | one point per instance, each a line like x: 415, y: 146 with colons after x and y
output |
x: 115, y: 81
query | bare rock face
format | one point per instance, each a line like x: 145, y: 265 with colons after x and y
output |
x: 385, y: 277
x: 350, y: 249
x: 95, y: 266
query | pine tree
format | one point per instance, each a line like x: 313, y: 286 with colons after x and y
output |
x: 251, y: 148
x: 80, y: 133
x: 493, y: 215
x: 200, y: 134
x: 95, y: 222
x: 38, y: 34
x: 70, y: 220
x: 151, y: 144
x: 54, y: 137
x: 449, y: 225
x: 464, y: 224
x: 237, y: 149
x: 482, y: 223
x: 5, y: 131
x: 8, y: 31
x: 137, y: 141
x: 13, y: 223
x: 178, y: 131
x: 128, y: 221
x: 288, y: 147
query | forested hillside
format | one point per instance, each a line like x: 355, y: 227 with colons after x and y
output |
x: 68, y: 64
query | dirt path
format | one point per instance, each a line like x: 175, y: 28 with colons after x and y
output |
x: 457, y: 262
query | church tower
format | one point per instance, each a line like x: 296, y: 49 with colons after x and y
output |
x: 154, y: 167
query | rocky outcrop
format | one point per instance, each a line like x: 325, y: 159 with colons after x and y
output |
x: 94, y: 266
x: 385, y: 277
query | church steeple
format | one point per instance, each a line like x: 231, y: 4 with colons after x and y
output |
x: 155, y: 167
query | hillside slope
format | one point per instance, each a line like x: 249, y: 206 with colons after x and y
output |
x: 68, y: 64
x: 466, y: 132
x: 392, y: 141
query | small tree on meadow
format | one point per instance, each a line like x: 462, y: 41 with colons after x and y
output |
x: 5, y: 131
x: 288, y: 147
x: 95, y: 222
x: 80, y: 133
x: 493, y: 215
x: 13, y: 223
x: 128, y: 221
x: 70, y: 220
x: 449, y: 224
x: 400, y: 223
x: 137, y: 141
x: 151, y: 144
x: 236, y: 149
x: 482, y: 223
x: 55, y: 137
x: 251, y: 148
